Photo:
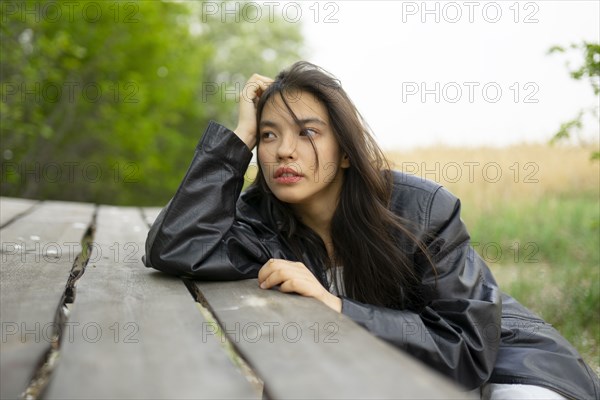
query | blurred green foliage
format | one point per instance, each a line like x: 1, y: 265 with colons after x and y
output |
x: 105, y: 101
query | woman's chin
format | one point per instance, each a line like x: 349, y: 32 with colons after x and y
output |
x: 288, y: 199
x: 287, y: 195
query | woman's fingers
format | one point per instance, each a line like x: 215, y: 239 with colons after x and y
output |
x: 292, y: 276
x: 295, y: 277
x: 256, y: 86
x: 265, y: 271
x: 273, y: 273
x: 270, y: 278
x: 300, y: 286
x: 253, y: 89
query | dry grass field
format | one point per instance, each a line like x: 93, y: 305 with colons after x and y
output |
x: 485, y: 177
x: 533, y: 212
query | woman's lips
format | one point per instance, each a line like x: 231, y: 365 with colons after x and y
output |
x: 287, y: 179
x: 286, y: 175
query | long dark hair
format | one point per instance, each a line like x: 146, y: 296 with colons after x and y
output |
x: 366, y: 234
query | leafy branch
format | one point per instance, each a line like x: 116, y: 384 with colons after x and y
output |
x: 590, y: 70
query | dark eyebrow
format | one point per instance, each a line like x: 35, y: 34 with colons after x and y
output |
x: 311, y: 121
x: 269, y: 123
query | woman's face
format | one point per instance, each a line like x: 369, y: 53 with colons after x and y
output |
x: 287, y: 157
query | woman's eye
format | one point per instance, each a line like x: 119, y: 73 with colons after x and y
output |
x: 267, y: 135
x: 308, y: 132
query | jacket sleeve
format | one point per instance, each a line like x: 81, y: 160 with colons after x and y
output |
x: 458, y: 332
x: 197, y: 234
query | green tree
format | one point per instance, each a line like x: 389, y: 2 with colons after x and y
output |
x: 105, y: 101
x: 590, y: 70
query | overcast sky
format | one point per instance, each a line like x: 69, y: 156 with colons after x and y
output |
x: 479, y: 75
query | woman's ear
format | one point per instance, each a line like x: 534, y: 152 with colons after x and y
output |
x: 345, y: 161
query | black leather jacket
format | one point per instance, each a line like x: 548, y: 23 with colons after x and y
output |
x: 468, y: 330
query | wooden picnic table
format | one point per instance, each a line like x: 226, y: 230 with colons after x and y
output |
x: 83, y: 318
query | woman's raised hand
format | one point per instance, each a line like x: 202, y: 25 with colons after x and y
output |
x: 295, y: 277
x: 253, y: 89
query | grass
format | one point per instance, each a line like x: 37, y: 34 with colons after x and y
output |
x: 533, y: 212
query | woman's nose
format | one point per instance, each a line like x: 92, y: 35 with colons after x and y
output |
x: 287, y: 147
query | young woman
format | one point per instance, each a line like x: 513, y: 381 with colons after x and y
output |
x: 327, y: 218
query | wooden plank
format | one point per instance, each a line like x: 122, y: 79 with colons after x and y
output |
x: 11, y: 207
x: 302, y: 349
x: 37, y: 254
x: 150, y: 214
x: 138, y: 332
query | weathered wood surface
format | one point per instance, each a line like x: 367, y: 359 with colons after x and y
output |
x: 134, y: 332
x: 144, y: 335
x: 302, y: 349
x: 11, y: 207
x: 37, y: 251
